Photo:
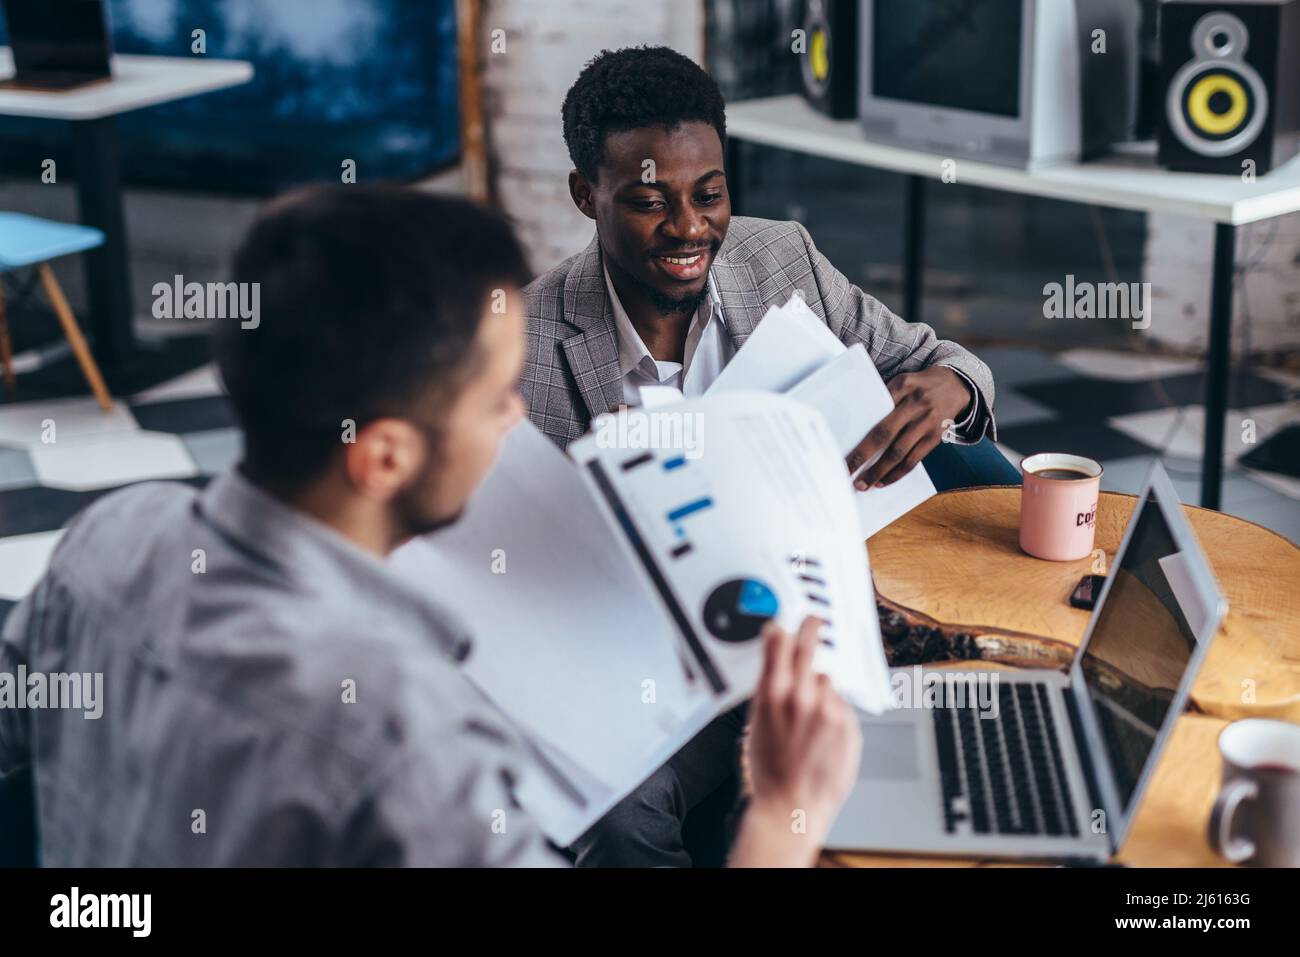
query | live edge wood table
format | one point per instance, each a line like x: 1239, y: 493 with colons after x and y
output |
x: 953, y: 585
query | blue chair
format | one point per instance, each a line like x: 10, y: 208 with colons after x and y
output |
x: 29, y: 241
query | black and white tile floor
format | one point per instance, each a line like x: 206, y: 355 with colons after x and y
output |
x: 1119, y: 408
x: 58, y: 453
x: 1124, y: 410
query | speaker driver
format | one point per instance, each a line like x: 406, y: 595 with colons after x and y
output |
x: 817, y: 62
x: 829, y: 54
x: 819, y: 56
x: 1217, y: 103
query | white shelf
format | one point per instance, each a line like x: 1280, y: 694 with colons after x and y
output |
x: 1123, y: 181
x: 137, y: 82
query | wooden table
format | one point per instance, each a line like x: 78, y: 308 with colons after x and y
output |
x: 956, y: 560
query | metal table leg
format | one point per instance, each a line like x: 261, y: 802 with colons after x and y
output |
x: 735, y: 171
x: 913, y: 248
x: 1218, y: 363
x: 108, y: 283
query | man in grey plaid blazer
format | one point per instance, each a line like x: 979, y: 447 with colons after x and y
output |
x: 667, y: 291
x: 573, y: 372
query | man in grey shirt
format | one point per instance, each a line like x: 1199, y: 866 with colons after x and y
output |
x: 269, y: 692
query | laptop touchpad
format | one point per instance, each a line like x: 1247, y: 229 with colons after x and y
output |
x: 889, y: 751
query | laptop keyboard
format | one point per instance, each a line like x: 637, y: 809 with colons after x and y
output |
x: 1006, y: 775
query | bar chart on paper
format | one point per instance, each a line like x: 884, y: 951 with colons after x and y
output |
x: 673, y: 493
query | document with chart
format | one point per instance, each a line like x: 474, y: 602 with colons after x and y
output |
x: 617, y: 593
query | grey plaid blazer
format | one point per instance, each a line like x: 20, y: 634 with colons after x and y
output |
x: 572, y: 372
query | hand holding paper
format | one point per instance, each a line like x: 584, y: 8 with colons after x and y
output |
x: 926, y: 403
x: 803, y: 751
x: 792, y: 351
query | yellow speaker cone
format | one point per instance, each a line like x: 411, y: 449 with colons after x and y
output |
x: 819, y: 56
x: 1198, y: 104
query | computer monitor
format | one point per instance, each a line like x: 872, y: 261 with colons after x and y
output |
x: 918, y: 48
x: 992, y: 80
x: 58, y: 44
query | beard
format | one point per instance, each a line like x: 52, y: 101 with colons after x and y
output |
x: 674, y: 305
x: 411, y: 507
x: 417, y: 523
x: 670, y: 305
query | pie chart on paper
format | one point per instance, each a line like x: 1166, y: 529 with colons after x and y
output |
x: 736, y: 610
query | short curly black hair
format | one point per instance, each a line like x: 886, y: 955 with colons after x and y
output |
x: 627, y: 89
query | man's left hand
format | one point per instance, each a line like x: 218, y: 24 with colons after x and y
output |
x: 926, y: 404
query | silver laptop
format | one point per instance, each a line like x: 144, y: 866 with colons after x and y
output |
x: 1040, y: 764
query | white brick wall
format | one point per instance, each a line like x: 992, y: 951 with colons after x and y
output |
x: 1266, y: 304
x: 547, y: 42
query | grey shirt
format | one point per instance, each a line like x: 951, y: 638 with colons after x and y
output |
x: 271, y: 695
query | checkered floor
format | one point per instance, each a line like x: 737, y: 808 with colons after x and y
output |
x: 1118, y: 408
x: 59, y: 451
x: 1124, y: 410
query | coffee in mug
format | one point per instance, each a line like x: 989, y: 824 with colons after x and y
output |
x: 1256, y: 819
x: 1058, y: 506
x: 1066, y: 475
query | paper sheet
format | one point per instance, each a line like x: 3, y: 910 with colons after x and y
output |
x: 787, y: 346
x: 566, y: 630
x: 794, y: 352
x: 758, y: 522
x: 654, y: 396
x: 850, y: 393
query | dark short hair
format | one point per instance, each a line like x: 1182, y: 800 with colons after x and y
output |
x: 627, y: 89
x: 370, y: 301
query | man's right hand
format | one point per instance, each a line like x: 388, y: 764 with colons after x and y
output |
x: 804, y: 746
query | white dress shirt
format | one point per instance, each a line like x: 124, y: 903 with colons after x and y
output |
x: 708, y: 349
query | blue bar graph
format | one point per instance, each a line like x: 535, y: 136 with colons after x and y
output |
x: 689, y: 508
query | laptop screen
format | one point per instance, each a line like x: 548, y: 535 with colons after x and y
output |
x: 58, y: 36
x: 1141, y: 644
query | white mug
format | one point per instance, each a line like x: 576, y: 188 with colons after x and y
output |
x: 1256, y: 819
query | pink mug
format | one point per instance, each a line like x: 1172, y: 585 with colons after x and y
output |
x: 1058, y: 506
